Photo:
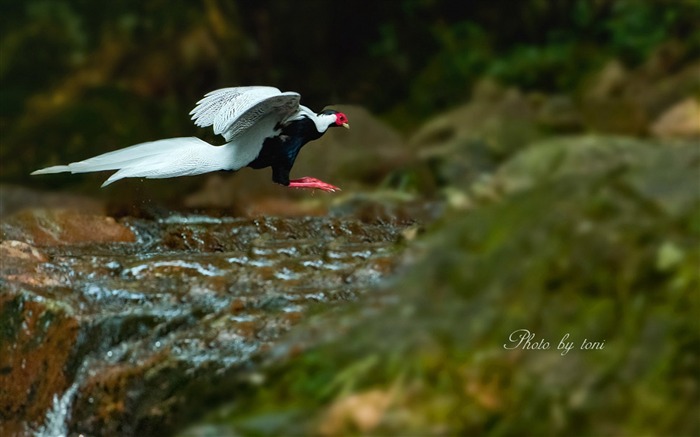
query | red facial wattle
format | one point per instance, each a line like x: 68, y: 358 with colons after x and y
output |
x: 341, y: 120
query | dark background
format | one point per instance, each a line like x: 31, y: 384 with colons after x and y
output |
x: 81, y: 77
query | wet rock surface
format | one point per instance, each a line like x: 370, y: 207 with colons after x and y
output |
x: 48, y: 227
x: 131, y: 335
x: 38, y: 335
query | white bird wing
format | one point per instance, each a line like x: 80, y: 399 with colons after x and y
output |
x: 247, y: 113
x: 232, y: 111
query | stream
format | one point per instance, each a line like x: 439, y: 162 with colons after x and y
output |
x: 134, y: 337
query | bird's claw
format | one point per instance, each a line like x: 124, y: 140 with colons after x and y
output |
x: 313, y: 183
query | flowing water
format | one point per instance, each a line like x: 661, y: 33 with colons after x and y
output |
x: 162, y: 325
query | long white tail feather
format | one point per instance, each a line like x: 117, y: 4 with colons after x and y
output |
x: 246, y: 117
x: 167, y: 158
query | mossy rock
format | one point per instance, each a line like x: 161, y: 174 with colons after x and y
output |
x: 666, y: 172
x: 596, y: 257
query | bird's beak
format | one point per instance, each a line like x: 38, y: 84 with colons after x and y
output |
x: 346, y: 126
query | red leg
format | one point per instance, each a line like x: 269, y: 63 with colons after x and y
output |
x: 307, y: 182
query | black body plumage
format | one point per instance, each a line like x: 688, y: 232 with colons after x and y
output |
x: 280, y: 152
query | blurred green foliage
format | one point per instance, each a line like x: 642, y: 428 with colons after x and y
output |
x: 547, y: 45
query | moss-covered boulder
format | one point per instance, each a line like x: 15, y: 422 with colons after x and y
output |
x: 569, y: 307
x: 471, y: 139
x: 558, y: 158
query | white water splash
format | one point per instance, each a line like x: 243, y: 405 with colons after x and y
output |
x: 56, y: 419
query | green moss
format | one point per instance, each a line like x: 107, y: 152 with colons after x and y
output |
x: 577, y: 256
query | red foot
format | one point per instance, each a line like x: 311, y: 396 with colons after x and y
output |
x: 307, y: 182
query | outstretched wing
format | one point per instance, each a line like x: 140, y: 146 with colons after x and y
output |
x: 232, y: 111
